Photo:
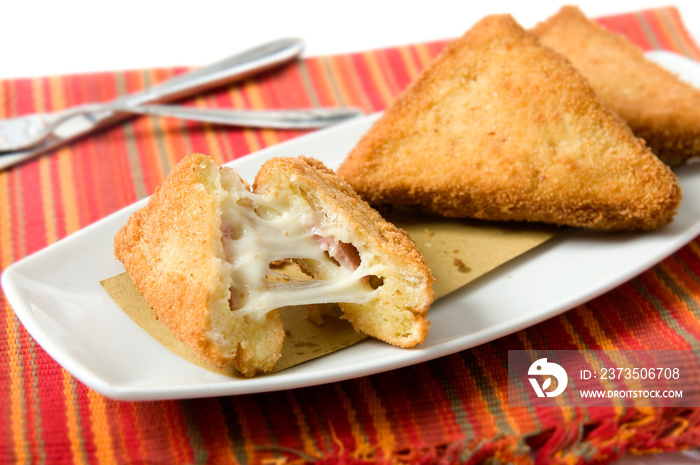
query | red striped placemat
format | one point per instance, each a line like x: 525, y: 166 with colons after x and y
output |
x: 453, y: 409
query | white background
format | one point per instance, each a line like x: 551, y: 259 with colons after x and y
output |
x: 43, y: 37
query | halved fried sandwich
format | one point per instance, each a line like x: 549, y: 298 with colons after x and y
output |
x: 658, y: 106
x: 203, y: 249
x: 500, y: 127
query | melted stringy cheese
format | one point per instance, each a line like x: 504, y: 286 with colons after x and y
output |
x: 258, y: 230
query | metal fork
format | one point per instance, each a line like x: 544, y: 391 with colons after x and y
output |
x: 23, y: 133
x: 81, y: 122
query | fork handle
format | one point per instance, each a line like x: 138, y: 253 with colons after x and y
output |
x: 237, y: 67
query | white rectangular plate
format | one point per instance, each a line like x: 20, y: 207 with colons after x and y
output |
x: 56, y: 293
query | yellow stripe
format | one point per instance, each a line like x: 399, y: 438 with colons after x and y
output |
x: 309, y: 88
x: 212, y: 139
x: 47, y: 200
x: 210, y: 134
x: 378, y: 78
x: 245, y: 430
x: 68, y: 194
x: 424, y: 55
x: 7, y: 256
x: 386, y: 439
x: 248, y: 134
x: 17, y: 417
x: 501, y: 395
x: 362, y: 447
x: 56, y: 94
x: 674, y: 31
x: 303, y: 428
x: 3, y: 100
x: 695, y: 248
x: 603, y: 341
x: 344, y: 74
x: 269, y: 136
x: 38, y: 96
x: 408, y: 60
x: 606, y: 344
x: 173, y: 130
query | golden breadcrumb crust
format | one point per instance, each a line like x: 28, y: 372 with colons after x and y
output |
x: 500, y: 127
x: 172, y: 249
x: 657, y: 105
x: 173, y: 252
x: 398, y: 314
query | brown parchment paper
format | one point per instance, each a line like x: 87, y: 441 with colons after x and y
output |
x: 457, y: 251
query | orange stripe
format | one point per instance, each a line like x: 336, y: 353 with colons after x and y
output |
x: 167, y: 132
x: 665, y: 37
x: 394, y: 71
x: 219, y: 447
x: 38, y: 95
x: 408, y: 58
x: 448, y: 430
x: 658, y: 20
x: 363, y: 448
x: 492, y: 372
x: 212, y: 139
x: 675, y: 23
x: 56, y: 100
x: 694, y: 247
x: 679, y: 305
x: 641, y: 298
x: 317, y: 84
x: 616, y: 323
x: 137, y: 415
x: 154, y: 130
x: 341, y: 71
x: 47, y: 200
x: 176, y: 432
x: 99, y: 423
x: 475, y: 405
x: 653, y: 289
x: 16, y: 388
x: 6, y: 252
x: 302, y: 425
x: 602, y: 340
x: 77, y: 446
x: 531, y: 421
x: 249, y: 135
x: 252, y: 89
x: 252, y: 431
x: 385, y: 439
x: 4, y: 98
x: 378, y: 78
x: 425, y: 57
x: 68, y: 194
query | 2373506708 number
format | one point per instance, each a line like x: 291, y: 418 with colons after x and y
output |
x: 639, y: 373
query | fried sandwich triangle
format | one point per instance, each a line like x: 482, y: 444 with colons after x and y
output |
x: 658, y: 106
x: 203, y: 250
x: 500, y: 127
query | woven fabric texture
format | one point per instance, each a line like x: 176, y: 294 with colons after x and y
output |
x: 450, y: 410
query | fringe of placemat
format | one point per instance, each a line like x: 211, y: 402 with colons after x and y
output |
x: 645, y: 431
